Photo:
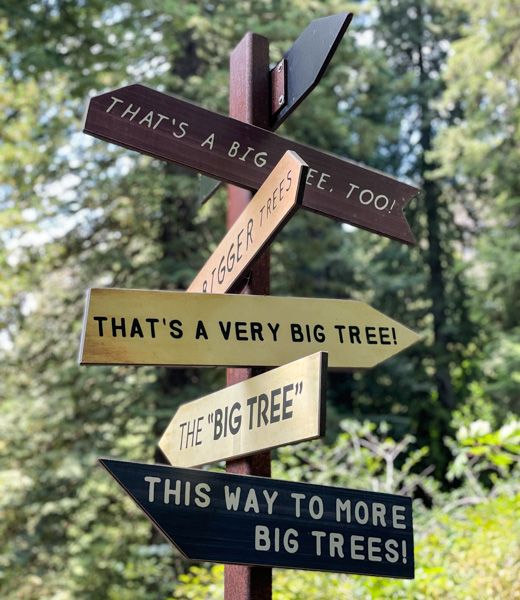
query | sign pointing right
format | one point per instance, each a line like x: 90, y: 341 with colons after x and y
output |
x: 141, y: 327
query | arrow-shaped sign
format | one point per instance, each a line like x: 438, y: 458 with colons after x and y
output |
x: 226, y: 518
x: 165, y: 127
x: 140, y: 327
x: 279, y: 407
x: 307, y: 59
x: 269, y: 210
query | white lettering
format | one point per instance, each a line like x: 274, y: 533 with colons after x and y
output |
x: 115, y: 101
x: 203, y: 499
x: 232, y: 498
x: 152, y: 481
x: 398, y: 518
x: 270, y: 501
x: 318, y: 535
x: 251, y: 502
x: 130, y: 111
x: 210, y: 140
x: 373, y: 551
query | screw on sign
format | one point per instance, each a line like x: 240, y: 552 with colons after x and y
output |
x: 297, y: 74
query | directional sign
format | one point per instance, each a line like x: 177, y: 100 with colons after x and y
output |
x: 226, y: 518
x: 165, y: 127
x: 283, y: 406
x: 308, y: 58
x: 140, y: 327
x: 297, y: 74
x: 268, y: 211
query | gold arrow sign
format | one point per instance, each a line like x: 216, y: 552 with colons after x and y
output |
x: 269, y: 210
x: 283, y: 406
x: 140, y: 327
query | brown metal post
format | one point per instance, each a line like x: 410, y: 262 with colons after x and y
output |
x: 249, y: 101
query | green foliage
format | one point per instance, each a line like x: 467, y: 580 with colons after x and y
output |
x: 466, y: 546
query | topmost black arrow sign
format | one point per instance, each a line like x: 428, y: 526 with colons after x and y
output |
x: 307, y: 59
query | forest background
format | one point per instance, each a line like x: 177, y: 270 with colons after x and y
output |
x: 427, y: 91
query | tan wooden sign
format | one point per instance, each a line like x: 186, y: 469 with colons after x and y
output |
x: 282, y: 406
x: 269, y: 210
x: 140, y: 327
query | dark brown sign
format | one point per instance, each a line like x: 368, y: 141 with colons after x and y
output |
x: 227, y: 518
x: 170, y: 129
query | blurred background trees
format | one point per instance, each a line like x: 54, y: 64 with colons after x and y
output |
x: 427, y: 91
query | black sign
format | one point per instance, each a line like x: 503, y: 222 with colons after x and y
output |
x: 226, y: 518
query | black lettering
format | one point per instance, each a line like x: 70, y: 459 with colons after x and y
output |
x: 241, y: 331
x: 274, y: 330
x: 289, y: 179
x: 239, y: 243
x: 256, y: 330
x: 230, y: 255
x: 340, y: 332
x: 251, y: 402
x: 100, y: 324
x: 249, y: 233
x: 152, y: 325
x: 176, y: 331
x: 201, y: 331
x: 319, y: 336
x: 199, y: 429
x: 234, y: 422
x: 280, y: 189
x: 370, y: 334
x: 217, y: 430
x: 221, y: 270
x: 225, y: 330
x: 263, y: 405
x: 287, y: 402
x: 296, y: 332
x: 384, y: 336
x: 116, y: 328
x: 275, y: 406
x: 136, y: 329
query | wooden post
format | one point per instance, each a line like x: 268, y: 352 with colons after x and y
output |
x: 249, y: 101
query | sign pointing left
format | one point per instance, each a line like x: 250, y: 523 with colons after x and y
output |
x: 177, y: 131
x: 282, y: 406
x: 226, y: 518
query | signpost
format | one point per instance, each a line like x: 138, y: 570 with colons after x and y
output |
x: 283, y: 406
x: 254, y: 523
x: 140, y: 327
x: 177, y: 131
x: 269, y: 210
x: 239, y: 519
